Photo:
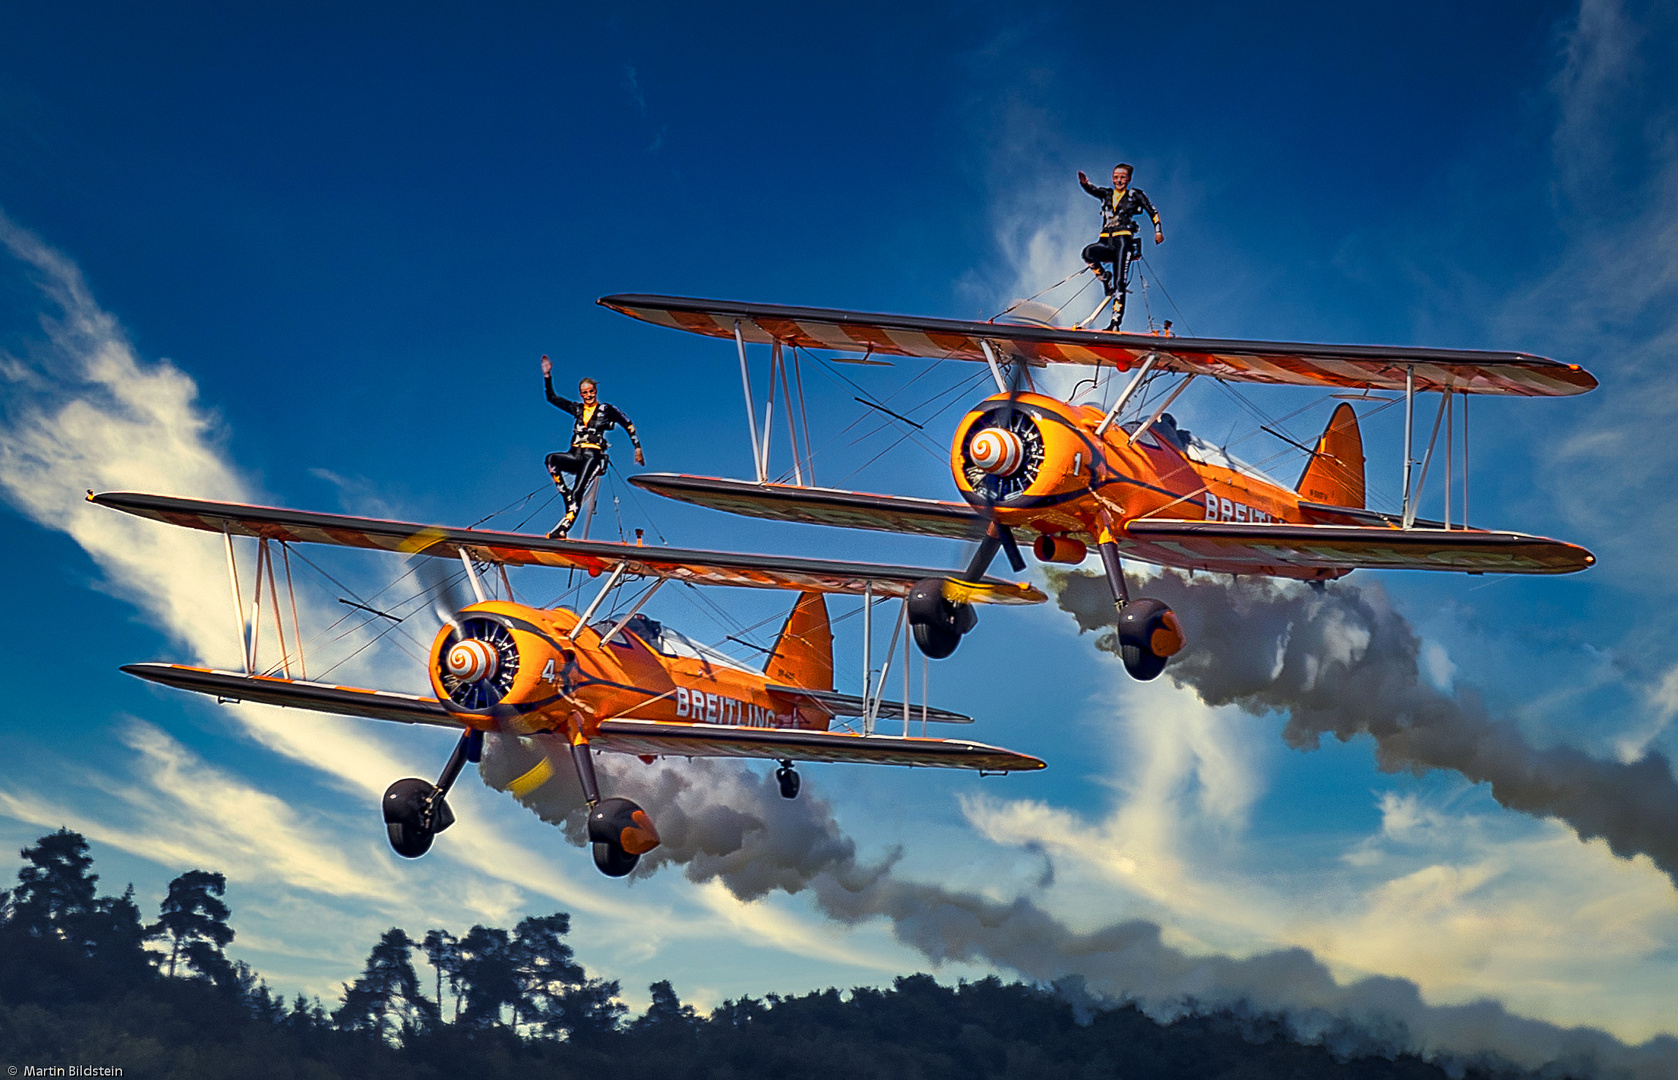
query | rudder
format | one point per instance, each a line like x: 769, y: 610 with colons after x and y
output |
x: 803, y: 654
x: 1334, y: 475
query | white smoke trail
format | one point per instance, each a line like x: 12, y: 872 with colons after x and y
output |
x: 722, y: 822
x: 1341, y: 661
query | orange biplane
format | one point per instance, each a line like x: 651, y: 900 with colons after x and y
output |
x: 1073, y: 476
x: 623, y: 683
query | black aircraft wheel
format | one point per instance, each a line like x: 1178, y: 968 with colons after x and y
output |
x: 790, y: 783
x: 622, y: 832
x: 613, y: 860
x: 407, y: 821
x: 1149, y: 635
x: 935, y: 642
x: 937, y: 623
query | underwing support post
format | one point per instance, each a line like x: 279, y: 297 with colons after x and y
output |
x: 599, y: 598
x: 995, y: 368
x: 871, y: 703
x: 1409, y: 423
x: 1415, y: 498
x: 1129, y: 392
x: 238, y: 611
x: 630, y: 614
x: 751, y: 413
x: 1164, y: 405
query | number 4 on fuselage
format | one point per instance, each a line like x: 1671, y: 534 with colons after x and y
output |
x: 1072, y: 477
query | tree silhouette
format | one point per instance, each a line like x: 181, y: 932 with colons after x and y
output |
x: 386, y: 1000
x: 442, y: 951
x: 55, y: 886
x: 194, y: 921
x: 489, y: 978
x: 666, y: 1013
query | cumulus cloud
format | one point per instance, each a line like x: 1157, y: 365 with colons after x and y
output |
x: 83, y: 410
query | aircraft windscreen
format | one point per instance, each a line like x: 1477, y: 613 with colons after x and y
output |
x: 1198, y: 450
x: 671, y: 642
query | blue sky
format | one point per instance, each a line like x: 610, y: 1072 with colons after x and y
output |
x: 310, y: 258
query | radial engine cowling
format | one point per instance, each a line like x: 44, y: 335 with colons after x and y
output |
x: 497, y: 662
x: 1014, y: 451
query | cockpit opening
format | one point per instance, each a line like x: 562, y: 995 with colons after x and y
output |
x: 668, y: 641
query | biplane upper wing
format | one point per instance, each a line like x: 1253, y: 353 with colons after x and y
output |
x: 319, y: 697
x: 798, y: 744
x: 818, y: 506
x: 1264, y: 546
x: 518, y: 549
x: 1376, y: 367
x: 621, y: 735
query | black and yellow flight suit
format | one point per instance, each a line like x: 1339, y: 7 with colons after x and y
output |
x: 1119, y: 243
x: 586, y: 460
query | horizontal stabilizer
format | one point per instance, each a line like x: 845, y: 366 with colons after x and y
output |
x: 318, y: 697
x: 836, y: 704
x: 1283, y: 550
x: 1351, y: 367
x: 518, y: 549
x: 797, y: 744
x: 819, y: 506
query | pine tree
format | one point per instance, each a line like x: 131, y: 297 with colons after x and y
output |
x: 442, y: 951
x: 55, y: 887
x: 386, y: 1000
x: 194, y: 921
x: 666, y: 1013
x: 546, y: 970
x: 489, y: 977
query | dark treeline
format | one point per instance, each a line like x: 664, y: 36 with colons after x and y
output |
x: 86, y: 980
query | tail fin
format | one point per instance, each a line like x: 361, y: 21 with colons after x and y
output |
x: 803, y: 654
x: 1334, y: 474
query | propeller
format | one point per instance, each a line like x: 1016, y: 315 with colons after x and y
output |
x: 477, y: 664
x: 999, y: 448
x: 443, y: 583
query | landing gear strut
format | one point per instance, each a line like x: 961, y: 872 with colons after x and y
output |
x: 416, y: 811
x: 789, y: 781
x: 621, y: 831
x: 1149, y: 634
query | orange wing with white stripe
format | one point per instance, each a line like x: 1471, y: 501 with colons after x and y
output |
x: 1375, y: 367
x: 518, y: 549
x: 621, y: 735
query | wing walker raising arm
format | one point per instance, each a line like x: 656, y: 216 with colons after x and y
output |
x: 1118, y: 243
x: 586, y: 459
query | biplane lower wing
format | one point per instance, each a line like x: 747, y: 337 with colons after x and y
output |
x: 1245, y: 547
x: 798, y: 744
x: 519, y: 549
x: 294, y: 693
x: 818, y: 506
x: 621, y: 736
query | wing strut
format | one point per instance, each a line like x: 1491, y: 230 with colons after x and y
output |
x: 995, y: 368
x: 630, y: 614
x: 1413, y: 498
x: 751, y: 410
x: 1129, y: 391
x: 599, y: 598
x: 238, y: 612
